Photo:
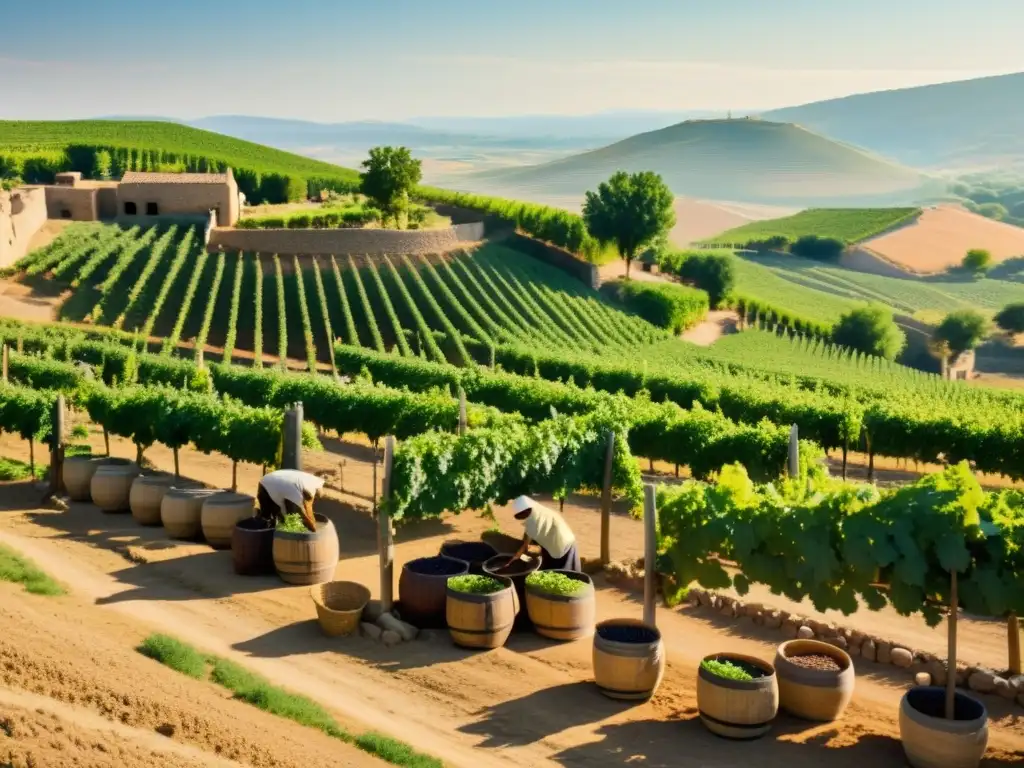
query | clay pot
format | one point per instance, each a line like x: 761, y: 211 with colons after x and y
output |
x: 220, y: 513
x: 813, y: 694
x: 932, y: 741
x: 146, y: 496
x: 111, y: 486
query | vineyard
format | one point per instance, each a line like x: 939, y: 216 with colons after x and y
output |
x: 161, y: 282
x: 850, y: 225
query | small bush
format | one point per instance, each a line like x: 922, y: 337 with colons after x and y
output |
x: 555, y: 583
x: 472, y: 584
x: 870, y: 330
x: 818, y: 248
x: 713, y: 273
x: 726, y: 670
x: 961, y: 330
x: 977, y: 260
x: 292, y: 523
x: 175, y: 654
x: 672, y: 307
x: 1011, y: 318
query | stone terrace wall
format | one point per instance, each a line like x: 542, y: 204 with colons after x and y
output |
x: 371, y: 242
x: 22, y: 213
x: 556, y: 257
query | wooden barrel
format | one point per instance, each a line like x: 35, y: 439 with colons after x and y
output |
x: 78, y: 472
x: 181, y: 512
x: 146, y: 495
x: 474, y: 553
x: 481, y: 621
x: 111, y: 486
x: 738, y: 709
x: 307, y: 557
x: 813, y: 694
x: 220, y: 513
x: 423, y: 588
x: 517, y: 571
x: 252, y: 547
x: 932, y: 741
x: 629, y: 660
x: 563, y: 617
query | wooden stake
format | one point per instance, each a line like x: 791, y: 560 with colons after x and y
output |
x: 650, y: 554
x: 1013, y: 642
x: 606, y: 501
x: 794, y: 451
x: 57, y: 447
x: 954, y: 605
x: 385, y: 534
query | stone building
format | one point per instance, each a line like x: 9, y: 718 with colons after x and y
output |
x: 141, y: 193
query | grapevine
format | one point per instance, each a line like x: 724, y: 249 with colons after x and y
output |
x: 211, y: 302
x: 351, y: 337
x: 171, y: 342
x: 282, y: 316
x: 389, y: 309
x: 180, y: 257
x: 156, y: 254
x: 364, y: 300
x: 236, y: 297
x: 307, y: 325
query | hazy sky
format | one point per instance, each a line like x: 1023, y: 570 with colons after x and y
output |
x: 391, y: 59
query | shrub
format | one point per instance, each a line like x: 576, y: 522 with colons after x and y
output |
x: 977, y: 260
x: 299, y: 221
x: 292, y: 523
x: 475, y: 585
x: 1011, y: 318
x: 713, y: 273
x: 995, y: 211
x: 871, y: 330
x: 672, y: 307
x: 961, y: 330
x: 818, y: 248
x: 555, y: 583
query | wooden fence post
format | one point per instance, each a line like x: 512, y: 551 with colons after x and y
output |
x: 57, y: 447
x: 291, y: 455
x: 794, y: 451
x: 606, y: 501
x: 650, y: 554
x: 385, y: 534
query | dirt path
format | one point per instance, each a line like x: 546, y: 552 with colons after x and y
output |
x: 717, y: 324
x: 532, y: 702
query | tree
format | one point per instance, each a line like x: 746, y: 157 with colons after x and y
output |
x: 1011, y: 318
x: 977, y: 260
x: 961, y: 330
x: 871, y: 330
x: 819, y: 248
x: 630, y: 210
x: 389, y: 176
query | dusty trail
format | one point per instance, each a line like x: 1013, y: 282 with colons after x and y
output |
x: 530, y: 703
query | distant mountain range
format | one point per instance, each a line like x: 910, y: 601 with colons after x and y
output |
x: 741, y: 159
x: 967, y: 124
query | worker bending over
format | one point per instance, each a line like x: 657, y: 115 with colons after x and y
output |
x: 549, y: 529
x: 286, y: 491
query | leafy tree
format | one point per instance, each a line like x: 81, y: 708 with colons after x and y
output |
x: 1011, y: 318
x: 961, y: 330
x: 103, y: 165
x: 820, y: 248
x: 630, y: 211
x: 871, y: 330
x: 977, y: 260
x: 389, y: 176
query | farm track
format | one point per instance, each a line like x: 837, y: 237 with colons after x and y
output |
x: 529, y: 703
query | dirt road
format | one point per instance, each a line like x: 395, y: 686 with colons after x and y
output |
x: 530, y: 703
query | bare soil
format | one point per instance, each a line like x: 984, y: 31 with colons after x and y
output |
x: 532, y: 702
x: 701, y: 219
x: 717, y: 324
x: 941, y: 237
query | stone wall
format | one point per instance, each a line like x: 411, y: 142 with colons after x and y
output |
x: 326, y: 242
x: 106, y: 202
x: 556, y: 257
x: 22, y: 213
x: 75, y: 203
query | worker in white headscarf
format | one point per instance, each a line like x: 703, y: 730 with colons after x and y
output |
x: 286, y: 491
x: 549, y: 529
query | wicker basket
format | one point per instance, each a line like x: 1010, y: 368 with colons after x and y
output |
x: 339, y: 606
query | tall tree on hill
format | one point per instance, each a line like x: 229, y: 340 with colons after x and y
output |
x: 630, y: 210
x: 871, y: 330
x: 389, y: 176
x: 961, y: 330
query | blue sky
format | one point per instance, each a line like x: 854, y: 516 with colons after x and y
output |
x: 394, y: 59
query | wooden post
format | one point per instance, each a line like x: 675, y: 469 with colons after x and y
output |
x: 385, y: 534
x: 606, y: 501
x: 650, y: 554
x: 6, y: 361
x: 463, y: 415
x: 1013, y: 642
x: 794, y: 451
x: 291, y: 456
x: 954, y: 605
x: 341, y: 476
x: 57, y: 447
x: 871, y: 457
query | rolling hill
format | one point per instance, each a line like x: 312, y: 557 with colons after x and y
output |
x: 964, y: 124
x: 746, y: 159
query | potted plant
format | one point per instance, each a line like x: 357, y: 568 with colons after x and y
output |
x: 737, y: 695
x: 561, y: 604
x: 480, y: 610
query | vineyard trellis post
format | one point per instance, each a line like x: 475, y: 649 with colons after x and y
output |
x: 291, y: 456
x: 385, y: 533
x: 794, y: 451
x: 606, y: 501
x: 650, y: 554
x: 57, y: 447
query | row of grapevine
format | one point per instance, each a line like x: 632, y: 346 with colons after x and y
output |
x: 171, y: 342
x: 236, y: 299
x: 307, y: 325
x: 257, y: 339
x: 78, y: 239
x: 350, y: 336
x: 282, y: 315
x: 364, y: 303
x: 211, y: 302
x: 389, y: 310
x: 442, y: 318
x: 181, y: 256
x: 321, y: 296
x: 156, y: 255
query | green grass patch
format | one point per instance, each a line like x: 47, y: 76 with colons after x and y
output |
x: 20, y: 570
x: 726, y: 670
x: 12, y: 469
x: 851, y: 225
x: 473, y: 584
x: 253, y: 689
x: 292, y: 523
x: 555, y: 583
x: 175, y: 654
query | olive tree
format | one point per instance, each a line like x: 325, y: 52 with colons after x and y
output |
x: 389, y: 175
x: 630, y: 210
x: 961, y: 330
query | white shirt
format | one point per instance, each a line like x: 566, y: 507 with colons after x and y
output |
x: 549, y: 529
x: 289, y: 484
